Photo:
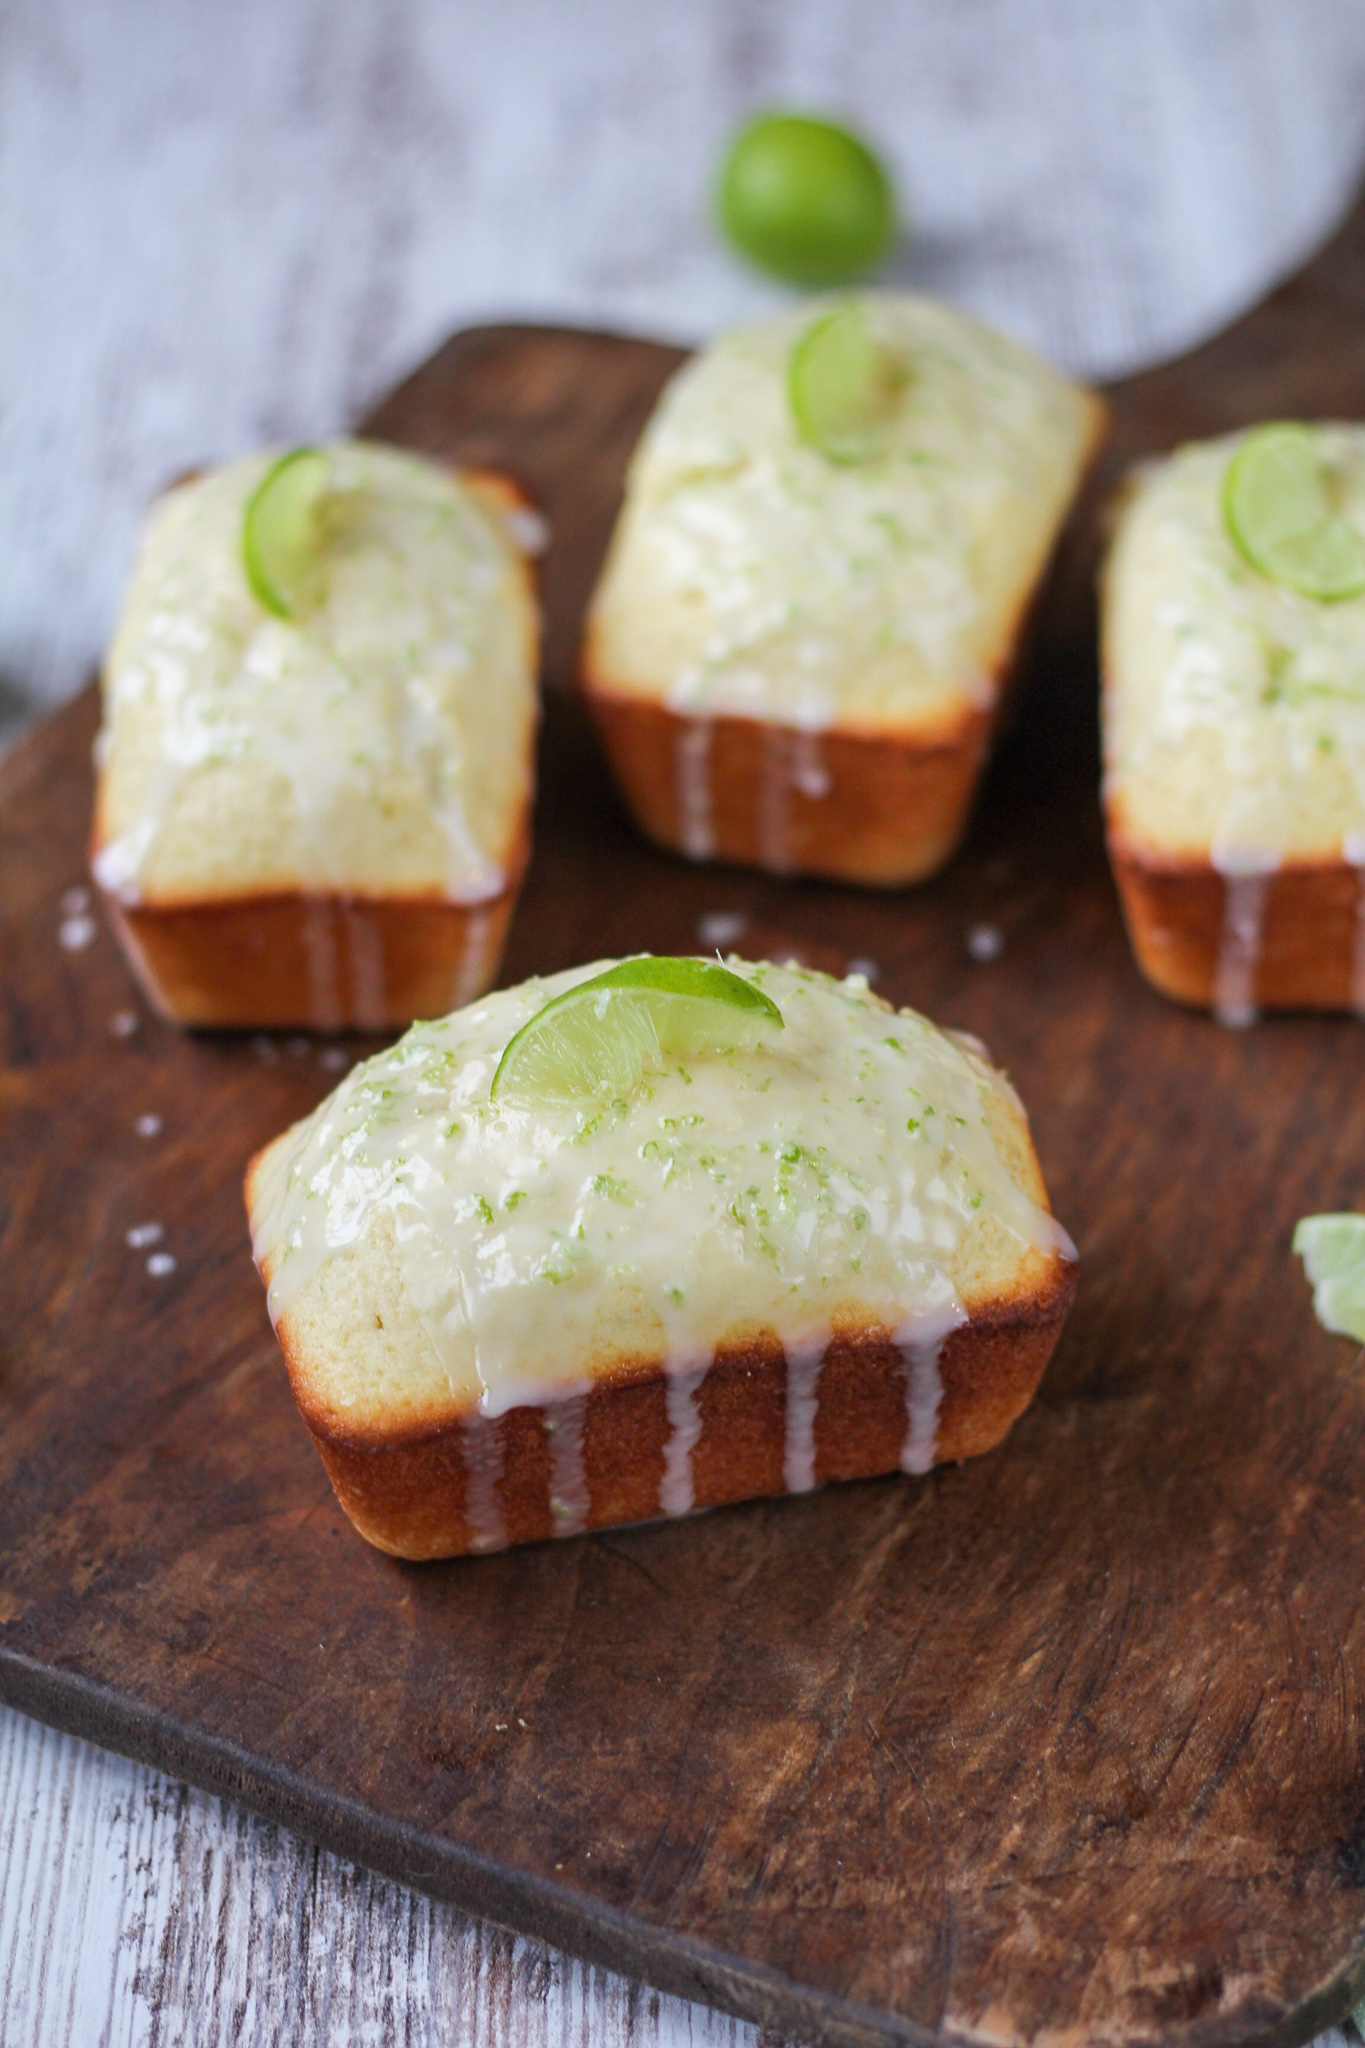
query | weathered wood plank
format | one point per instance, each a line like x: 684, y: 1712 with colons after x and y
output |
x: 140, y: 343
x: 1125, y: 1621
x: 136, y: 1912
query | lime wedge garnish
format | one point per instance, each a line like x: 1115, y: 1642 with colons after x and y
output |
x: 597, y: 1041
x: 1280, y: 504
x: 1333, y: 1252
x: 281, y: 533
x: 844, y: 387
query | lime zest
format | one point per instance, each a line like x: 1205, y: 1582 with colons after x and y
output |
x: 281, y: 533
x: 844, y: 387
x: 596, y: 1041
x: 1281, y: 509
x: 1332, y: 1248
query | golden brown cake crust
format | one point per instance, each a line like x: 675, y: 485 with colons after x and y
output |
x: 406, y: 1492
x: 314, y: 962
x: 1176, y: 911
x: 327, y: 961
x: 881, y: 810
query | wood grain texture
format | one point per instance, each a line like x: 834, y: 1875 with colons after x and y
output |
x: 138, y: 1913
x: 1063, y: 1745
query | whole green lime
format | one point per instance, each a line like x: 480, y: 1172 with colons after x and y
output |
x: 806, y: 200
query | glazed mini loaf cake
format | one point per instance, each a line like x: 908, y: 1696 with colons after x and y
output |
x: 818, y: 1250
x: 314, y: 810
x: 796, y: 651
x: 1234, y: 723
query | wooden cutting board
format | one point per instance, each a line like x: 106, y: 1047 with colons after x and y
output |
x: 1065, y: 1745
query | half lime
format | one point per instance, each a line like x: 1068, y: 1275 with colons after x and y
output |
x: 596, y: 1042
x: 844, y: 387
x: 1332, y: 1248
x: 1281, y: 505
x: 282, y: 549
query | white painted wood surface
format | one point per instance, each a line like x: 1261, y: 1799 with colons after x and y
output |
x: 136, y: 1911
x: 222, y: 225
x: 227, y: 225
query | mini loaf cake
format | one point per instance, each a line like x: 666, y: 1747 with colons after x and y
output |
x: 820, y: 1250
x: 313, y: 808
x: 1234, y: 720
x: 833, y: 528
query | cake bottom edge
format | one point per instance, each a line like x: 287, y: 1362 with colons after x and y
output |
x: 313, y: 961
x: 748, y: 1425
x: 1288, y: 937
x: 882, y: 811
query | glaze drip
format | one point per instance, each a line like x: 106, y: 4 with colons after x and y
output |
x: 324, y: 966
x: 474, y: 973
x: 677, y: 1491
x: 846, y: 1170
x: 481, y: 1447
x: 804, y: 1362
x: 1234, y: 706
x: 365, y: 950
x: 1239, y: 947
x: 752, y: 577
x: 569, y: 1497
x: 696, y: 827
x: 377, y: 742
x: 921, y: 1347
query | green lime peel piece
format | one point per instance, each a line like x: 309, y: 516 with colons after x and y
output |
x: 596, y: 1042
x: 1333, y: 1252
x: 806, y: 200
x: 282, y: 549
x: 844, y: 387
x: 1280, y: 507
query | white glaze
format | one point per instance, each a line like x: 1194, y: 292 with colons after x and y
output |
x: 378, y: 742
x: 844, y: 1168
x: 792, y: 759
x: 804, y: 1363
x: 569, y: 1498
x: 809, y: 774
x: 482, y: 1454
x: 474, y: 973
x: 1353, y: 850
x: 921, y: 1347
x: 1234, y: 707
x: 1239, y: 946
x: 692, y: 769
x: 365, y: 953
x: 325, y: 1009
x: 750, y: 575
x: 676, y: 1489
x: 774, y: 785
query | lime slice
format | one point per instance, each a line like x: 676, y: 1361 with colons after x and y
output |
x: 1333, y: 1252
x: 596, y: 1041
x: 281, y: 537
x: 844, y: 387
x: 1280, y: 505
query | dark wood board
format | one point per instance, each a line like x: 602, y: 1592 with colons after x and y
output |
x: 1064, y: 1745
